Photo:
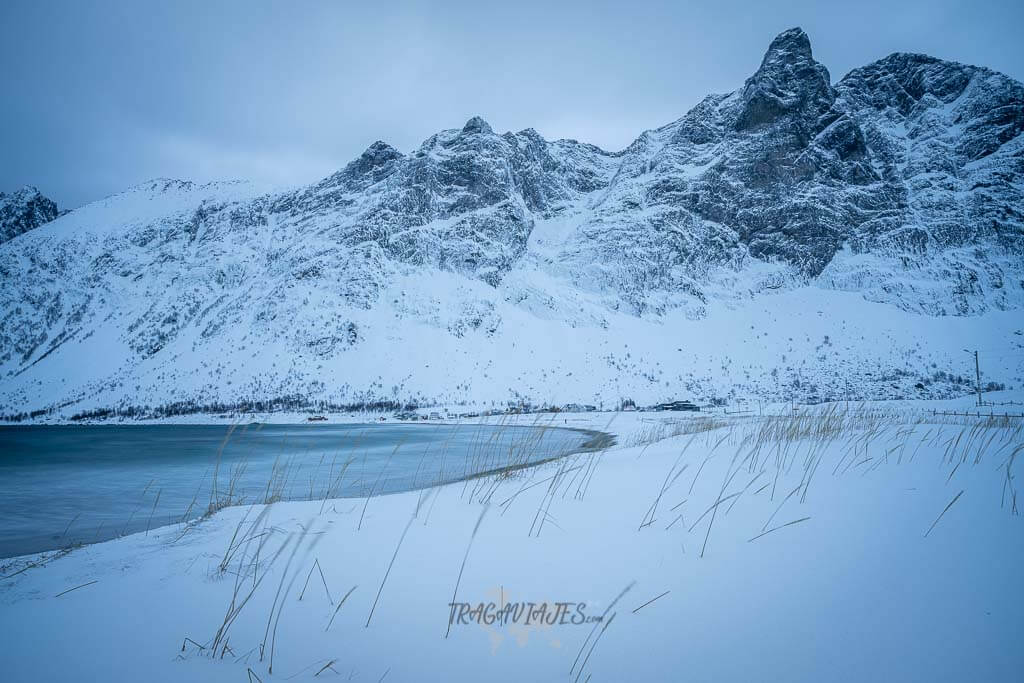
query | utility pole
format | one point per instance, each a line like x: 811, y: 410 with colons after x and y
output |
x: 977, y: 374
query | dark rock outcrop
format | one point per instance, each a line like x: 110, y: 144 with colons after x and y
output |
x: 24, y: 210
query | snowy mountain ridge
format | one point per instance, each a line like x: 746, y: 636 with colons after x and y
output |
x: 776, y: 241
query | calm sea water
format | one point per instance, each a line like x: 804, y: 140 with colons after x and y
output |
x: 81, y: 484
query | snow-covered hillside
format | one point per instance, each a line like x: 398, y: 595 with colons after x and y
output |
x: 792, y: 239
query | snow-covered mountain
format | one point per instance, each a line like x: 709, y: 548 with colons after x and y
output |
x: 24, y: 210
x: 795, y: 238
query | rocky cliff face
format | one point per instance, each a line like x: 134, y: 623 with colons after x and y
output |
x: 945, y: 140
x: 901, y: 183
x: 910, y: 159
x: 23, y: 210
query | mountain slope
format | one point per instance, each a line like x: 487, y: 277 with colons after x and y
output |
x: 792, y: 239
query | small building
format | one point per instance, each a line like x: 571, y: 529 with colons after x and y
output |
x: 686, y: 406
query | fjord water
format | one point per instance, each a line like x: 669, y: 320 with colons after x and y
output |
x: 61, y: 485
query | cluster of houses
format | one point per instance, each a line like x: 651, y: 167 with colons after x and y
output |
x: 520, y: 409
x: 410, y: 415
x: 684, y: 406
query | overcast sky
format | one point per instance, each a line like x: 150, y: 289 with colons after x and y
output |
x: 98, y: 96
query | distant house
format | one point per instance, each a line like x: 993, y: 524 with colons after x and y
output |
x: 316, y: 418
x: 678, y: 406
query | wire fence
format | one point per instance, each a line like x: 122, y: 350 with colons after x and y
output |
x: 977, y: 413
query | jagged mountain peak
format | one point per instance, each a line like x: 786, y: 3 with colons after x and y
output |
x: 790, y: 45
x: 789, y: 59
x: 476, y: 125
x: 379, y: 147
x: 376, y: 155
x: 23, y: 191
x: 905, y: 81
x: 788, y: 81
x: 24, y: 209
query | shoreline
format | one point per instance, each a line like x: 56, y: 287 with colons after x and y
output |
x: 1006, y: 400
x: 594, y: 441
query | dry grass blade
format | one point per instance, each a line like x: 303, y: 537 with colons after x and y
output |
x: 388, y: 572
x: 650, y: 601
x: 713, y: 506
x: 316, y: 565
x: 465, y: 557
x: 955, y: 498
x: 591, y: 651
x: 189, y: 640
x: 597, y: 625
x: 338, y: 608
x: 75, y: 588
x: 325, y: 667
x: 776, y: 528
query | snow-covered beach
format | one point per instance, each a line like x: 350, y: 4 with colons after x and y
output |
x: 841, y: 543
